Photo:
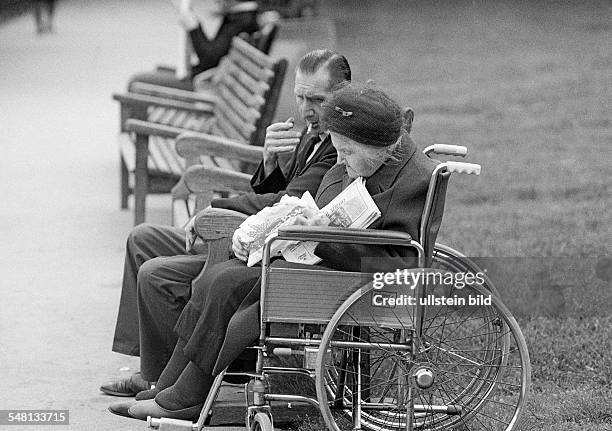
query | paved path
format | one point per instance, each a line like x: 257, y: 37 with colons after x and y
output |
x: 62, y: 234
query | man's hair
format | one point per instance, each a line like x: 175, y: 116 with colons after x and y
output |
x: 336, y: 64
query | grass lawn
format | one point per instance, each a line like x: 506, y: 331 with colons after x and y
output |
x: 527, y: 87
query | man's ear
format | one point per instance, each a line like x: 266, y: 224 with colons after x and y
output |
x: 408, y: 116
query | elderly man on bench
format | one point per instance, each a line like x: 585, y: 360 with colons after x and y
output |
x: 157, y: 261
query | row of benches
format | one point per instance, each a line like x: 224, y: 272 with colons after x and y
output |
x: 164, y: 131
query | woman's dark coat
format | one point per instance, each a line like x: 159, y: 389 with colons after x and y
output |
x: 222, y: 318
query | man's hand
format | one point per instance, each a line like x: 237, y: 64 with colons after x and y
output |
x: 239, y: 248
x: 279, y: 139
x: 190, y: 234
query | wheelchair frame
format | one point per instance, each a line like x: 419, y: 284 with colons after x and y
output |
x: 419, y: 377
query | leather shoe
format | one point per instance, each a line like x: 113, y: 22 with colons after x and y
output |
x: 142, y: 409
x: 127, y: 387
x: 121, y: 408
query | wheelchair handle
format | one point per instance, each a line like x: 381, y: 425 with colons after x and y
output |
x: 447, y: 149
x: 463, y: 168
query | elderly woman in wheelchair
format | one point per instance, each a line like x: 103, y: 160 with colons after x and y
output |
x: 406, y: 366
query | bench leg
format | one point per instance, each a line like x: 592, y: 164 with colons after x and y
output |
x: 125, y: 185
x: 141, y: 178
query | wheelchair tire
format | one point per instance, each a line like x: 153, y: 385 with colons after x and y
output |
x: 477, y: 355
x: 261, y: 422
x: 446, y: 258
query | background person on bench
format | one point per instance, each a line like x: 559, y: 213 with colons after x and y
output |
x: 222, y: 316
x: 238, y: 17
x: 157, y: 262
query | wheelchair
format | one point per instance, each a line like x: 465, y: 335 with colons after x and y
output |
x: 431, y: 355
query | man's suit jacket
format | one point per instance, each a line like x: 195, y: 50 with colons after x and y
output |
x: 398, y: 189
x: 301, y: 175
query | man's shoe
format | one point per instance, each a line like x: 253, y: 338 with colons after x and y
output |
x: 127, y: 387
x: 142, y: 409
x: 121, y: 408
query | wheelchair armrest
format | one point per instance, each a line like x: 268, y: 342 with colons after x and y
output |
x: 342, y: 235
x: 215, y: 223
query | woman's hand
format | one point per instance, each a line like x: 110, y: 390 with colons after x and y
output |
x: 239, y: 248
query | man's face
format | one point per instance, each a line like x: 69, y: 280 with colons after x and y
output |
x: 310, y: 91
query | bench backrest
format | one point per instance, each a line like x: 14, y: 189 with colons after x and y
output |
x: 263, y: 38
x: 248, y: 85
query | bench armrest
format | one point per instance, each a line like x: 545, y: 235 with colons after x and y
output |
x: 173, y: 93
x: 192, y: 145
x: 342, y: 235
x: 203, y: 179
x: 142, y: 100
x: 215, y: 223
x: 152, y: 129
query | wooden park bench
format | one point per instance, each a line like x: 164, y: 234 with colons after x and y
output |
x: 242, y: 104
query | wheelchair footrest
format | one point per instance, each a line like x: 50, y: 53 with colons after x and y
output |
x: 167, y: 424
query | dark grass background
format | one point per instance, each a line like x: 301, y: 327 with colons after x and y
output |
x: 527, y: 87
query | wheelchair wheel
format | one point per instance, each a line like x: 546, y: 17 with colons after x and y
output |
x: 446, y: 258
x: 261, y: 422
x: 466, y: 368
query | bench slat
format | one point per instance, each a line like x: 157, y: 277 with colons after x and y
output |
x: 180, y: 118
x: 256, y: 87
x: 156, y: 113
x: 167, y: 117
x: 194, y: 122
x: 175, y: 163
x: 228, y: 129
x: 253, y: 53
x: 251, y: 68
x: 245, y: 129
x: 157, y: 162
x: 247, y: 114
x: 255, y: 101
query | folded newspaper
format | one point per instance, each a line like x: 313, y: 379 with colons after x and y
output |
x: 352, y: 208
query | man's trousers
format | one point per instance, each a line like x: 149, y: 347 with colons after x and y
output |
x: 156, y: 261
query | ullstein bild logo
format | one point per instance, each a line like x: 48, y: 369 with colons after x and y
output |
x: 392, y: 300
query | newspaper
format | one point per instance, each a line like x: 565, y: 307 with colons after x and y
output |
x: 353, y: 208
